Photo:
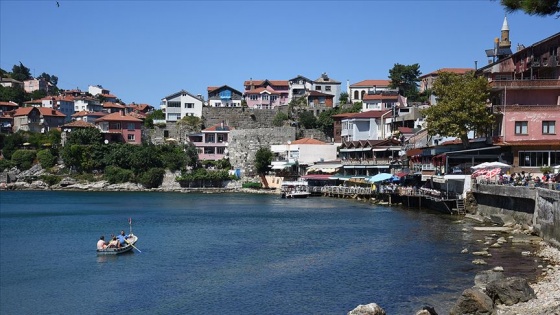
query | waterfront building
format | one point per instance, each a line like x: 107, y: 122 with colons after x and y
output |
x: 37, y: 119
x: 212, y: 143
x: 118, y: 127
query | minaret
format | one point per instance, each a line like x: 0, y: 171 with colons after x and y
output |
x: 504, y: 40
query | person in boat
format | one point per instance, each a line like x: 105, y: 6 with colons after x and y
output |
x: 101, y: 244
x: 114, y: 242
x: 122, y: 239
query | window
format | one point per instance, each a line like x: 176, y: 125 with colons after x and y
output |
x: 131, y: 126
x: 548, y: 127
x: 521, y: 128
x: 273, y: 98
x: 209, y: 150
x: 253, y: 97
x: 131, y: 137
x: 115, y: 126
x: 210, y: 138
x: 174, y: 104
x: 220, y: 150
x: 356, y: 95
x: 189, y: 105
x: 538, y: 158
x: 222, y: 137
x: 328, y: 88
x: 265, y: 97
x: 318, y: 88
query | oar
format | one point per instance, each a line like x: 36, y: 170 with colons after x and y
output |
x: 129, y: 243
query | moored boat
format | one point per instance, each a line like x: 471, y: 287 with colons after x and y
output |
x: 131, y: 240
x: 294, y: 189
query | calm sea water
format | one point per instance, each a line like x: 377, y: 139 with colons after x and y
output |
x: 230, y: 254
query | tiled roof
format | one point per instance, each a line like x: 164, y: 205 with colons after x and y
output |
x: 373, y: 97
x: 452, y: 70
x: 218, y: 127
x: 112, y: 105
x: 317, y: 93
x: 272, y: 82
x: 373, y: 114
x: 86, y: 113
x: 406, y: 130
x: 551, y: 142
x: 8, y: 104
x: 308, y: 141
x: 118, y: 117
x: 45, y: 111
x: 109, y: 95
x: 367, y: 83
x: 262, y: 90
x: 23, y: 111
x: 79, y: 124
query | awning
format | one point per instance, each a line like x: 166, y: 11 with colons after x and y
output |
x: 281, y: 166
x: 325, y: 168
x: 473, y: 150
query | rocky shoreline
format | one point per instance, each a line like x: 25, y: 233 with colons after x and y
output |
x: 542, y: 296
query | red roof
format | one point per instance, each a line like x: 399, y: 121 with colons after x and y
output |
x: 86, y: 113
x: 371, y: 97
x: 372, y: 114
x: 118, y: 117
x: 452, y: 70
x: 367, y: 83
x: 272, y: 82
x: 8, y: 104
x: 112, y: 105
x: 308, y: 141
x: 406, y: 130
x: 317, y: 93
x: 23, y: 111
x: 79, y: 124
x: 45, y: 111
x: 218, y: 127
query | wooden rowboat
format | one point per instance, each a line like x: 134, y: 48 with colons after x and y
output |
x: 132, y: 239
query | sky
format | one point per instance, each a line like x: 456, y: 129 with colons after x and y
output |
x: 143, y: 51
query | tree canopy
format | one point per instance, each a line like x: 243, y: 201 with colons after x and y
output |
x: 263, y: 158
x: 405, y: 78
x: 533, y: 7
x: 21, y: 72
x: 461, y: 106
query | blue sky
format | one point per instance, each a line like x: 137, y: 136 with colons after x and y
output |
x: 145, y: 50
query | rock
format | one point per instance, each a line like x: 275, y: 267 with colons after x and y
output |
x: 67, y: 181
x: 510, y: 291
x: 502, y: 240
x: 473, y: 301
x: 427, y: 310
x: 482, y: 253
x: 498, y: 269
x: 464, y: 251
x: 502, y: 219
x: 479, y: 262
x: 482, y: 278
x: 496, y: 245
x: 492, y: 228
x: 369, y: 309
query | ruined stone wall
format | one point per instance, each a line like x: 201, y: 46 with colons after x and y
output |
x: 244, y: 144
x: 240, y: 118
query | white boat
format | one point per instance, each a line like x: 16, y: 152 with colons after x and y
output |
x: 295, y: 189
x: 131, y: 240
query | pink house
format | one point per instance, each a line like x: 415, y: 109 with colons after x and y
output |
x: 118, y: 127
x: 211, y: 143
x: 265, y: 94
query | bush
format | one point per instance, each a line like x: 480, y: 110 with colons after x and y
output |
x: 46, y: 158
x: 5, y: 164
x: 279, y: 119
x: 252, y: 185
x: 50, y: 179
x: 23, y: 159
x: 152, y: 178
x: 116, y: 175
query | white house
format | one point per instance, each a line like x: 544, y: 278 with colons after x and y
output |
x: 299, y: 87
x: 181, y: 104
x: 87, y: 103
x: 370, y: 125
x: 97, y: 89
x: 357, y: 91
x: 306, y: 151
x: 326, y: 85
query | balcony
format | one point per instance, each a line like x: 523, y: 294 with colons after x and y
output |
x: 367, y: 161
x: 525, y: 84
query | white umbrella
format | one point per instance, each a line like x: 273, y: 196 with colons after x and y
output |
x: 490, y: 165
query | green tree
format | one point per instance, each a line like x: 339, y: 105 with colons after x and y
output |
x: 11, y: 143
x: 21, y: 72
x: 37, y: 94
x: 49, y: 78
x: 46, y: 158
x: 13, y: 94
x: 279, y: 119
x: 344, y: 98
x: 85, y: 136
x: 533, y: 7
x: 461, y: 106
x: 173, y: 157
x: 307, y: 120
x: 263, y: 158
x: 405, y: 78
x: 325, y: 122
x: 152, y: 178
x: 191, y: 155
x: 23, y: 159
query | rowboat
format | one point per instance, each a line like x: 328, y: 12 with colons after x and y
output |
x: 131, y: 240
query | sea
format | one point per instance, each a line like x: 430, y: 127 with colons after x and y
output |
x: 234, y: 253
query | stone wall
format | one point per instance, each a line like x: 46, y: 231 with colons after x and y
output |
x: 240, y: 117
x: 530, y: 206
x: 244, y: 144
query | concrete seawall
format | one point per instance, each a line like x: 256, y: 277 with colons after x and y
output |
x: 536, y: 207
